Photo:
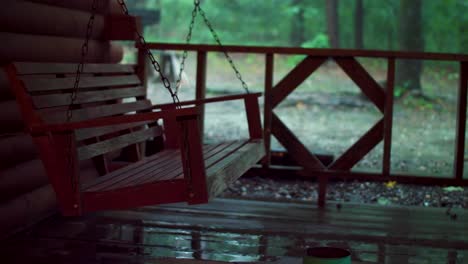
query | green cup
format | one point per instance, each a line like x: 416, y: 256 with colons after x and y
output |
x: 327, y: 255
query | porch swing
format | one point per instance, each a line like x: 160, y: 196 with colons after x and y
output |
x: 99, y: 124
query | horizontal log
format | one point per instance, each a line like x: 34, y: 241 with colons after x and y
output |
x: 27, y: 209
x: 10, y: 117
x: 22, y: 178
x: 5, y: 91
x: 104, y: 6
x: 19, y: 213
x: 313, y: 52
x: 17, y: 47
x: 32, y: 18
x: 15, y: 149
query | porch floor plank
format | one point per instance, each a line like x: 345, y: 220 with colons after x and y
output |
x: 244, y: 230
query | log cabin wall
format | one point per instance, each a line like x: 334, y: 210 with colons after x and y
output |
x: 40, y: 31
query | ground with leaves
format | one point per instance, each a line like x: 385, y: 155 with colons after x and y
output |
x: 390, y: 193
x: 328, y: 114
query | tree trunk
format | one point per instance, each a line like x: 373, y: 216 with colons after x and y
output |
x: 462, y: 26
x: 297, y: 24
x: 333, y: 23
x: 410, y: 39
x: 358, y: 24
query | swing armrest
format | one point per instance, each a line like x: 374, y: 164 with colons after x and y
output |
x: 109, y: 121
x: 208, y: 100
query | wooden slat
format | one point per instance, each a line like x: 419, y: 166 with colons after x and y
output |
x: 161, y: 166
x: 106, y: 146
x: 43, y: 101
x: 116, y: 120
x: 225, y: 172
x: 313, y: 52
x: 295, y: 148
x: 295, y: 77
x: 461, y: 122
x: 209, y: 100
x: 171, y: 169
x: 222, y: 152
x: 360, y: 148
x: 49, y: 84
x: 363, y: 80
x: 96, y: 111
x: 167, y: 192
x: 117, y: 175
x: 167, y: 168
x: 64, y: 68
x: 388, y: 118
x: 127, y: 176
x: 86, y: 133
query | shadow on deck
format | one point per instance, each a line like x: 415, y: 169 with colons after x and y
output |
x: 240, y: 230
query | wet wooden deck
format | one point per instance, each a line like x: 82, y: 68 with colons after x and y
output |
x: 240, y: 230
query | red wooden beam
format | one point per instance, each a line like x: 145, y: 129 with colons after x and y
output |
x: 253, y: 117
x: 168, y: 192
x: 461, y: 122
x: 268, y: 107
x: 107, y: 121
x: 193, y: 163
x: 119, y: 27
x: 200, y: 89
x: 294, y: 78
x: 388, y: 118
x: 210, y: 100
x: 360, y: 148
x: 313, y: 52
x: 294, y: 147
x: 363, y: 80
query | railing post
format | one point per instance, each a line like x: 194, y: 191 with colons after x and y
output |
x: 142, y: 60
x: 461, y: 121
x: 268, y: 108
x: 388, y: 117
x: 201, y: 89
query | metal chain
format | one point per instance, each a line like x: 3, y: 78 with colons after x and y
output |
x: 74, y: 93
x: 197, y: 9
x: 80, y: 67
x: 174, y: 96
x: 154, y: 62
x: 187, y: 41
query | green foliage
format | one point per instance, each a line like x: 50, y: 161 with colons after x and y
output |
x: 319, y: 41
x: 268, y: 22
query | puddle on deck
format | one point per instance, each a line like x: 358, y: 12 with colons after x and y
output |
x: 101, y: 240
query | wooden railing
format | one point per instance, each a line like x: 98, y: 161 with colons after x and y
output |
x: 380, y: 97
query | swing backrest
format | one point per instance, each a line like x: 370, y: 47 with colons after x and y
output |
x: 43, y: 92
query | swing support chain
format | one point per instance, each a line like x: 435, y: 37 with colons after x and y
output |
x: 198, y: 10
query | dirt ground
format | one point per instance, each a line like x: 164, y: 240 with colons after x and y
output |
x: 328, y: 114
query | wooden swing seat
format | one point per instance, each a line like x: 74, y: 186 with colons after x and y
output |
x: 112, y: 117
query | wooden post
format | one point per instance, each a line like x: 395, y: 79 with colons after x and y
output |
x: 55, y: 150
x: 171, y: 129
x: 201, y: 89
x: 253, y: 116
x: 142, y: 61
x: 388, y: 118
x: 192, y: 160
x: 268, y: 108
x: 461, y: 122
x: 322, y: 190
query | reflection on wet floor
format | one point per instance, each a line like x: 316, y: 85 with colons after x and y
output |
x: 230, y: 230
